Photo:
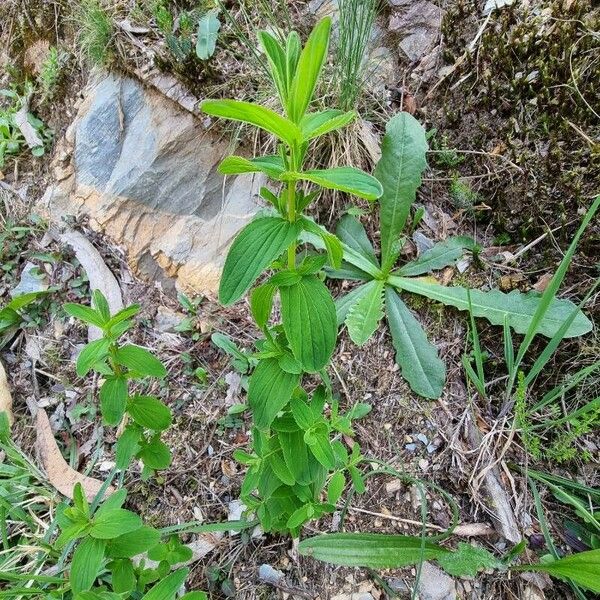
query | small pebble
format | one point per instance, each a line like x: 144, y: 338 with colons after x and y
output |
x: 411, y: 447
x: 422, y: 438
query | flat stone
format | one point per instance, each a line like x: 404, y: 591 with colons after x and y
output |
x: 145, y: 174
x: 434, y: 584
x: 167, y: 319
x: 32, y: 280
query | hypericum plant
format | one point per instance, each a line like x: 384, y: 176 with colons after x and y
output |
x: 12, y: 316
x: 399, y: 171
x: 106, y: 539
x: 120, y: 364
x: 294, y: 456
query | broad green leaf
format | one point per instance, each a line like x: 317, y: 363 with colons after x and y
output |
x: 271, y: 165
x: 114, y: 501
x: 443, y: 254
x: 260, y: 116
x: 345, y: 179
x: 23, y: 300
x: 261, y: 303
x: 467, y: 560
x: 293, y: 47
x: 376, y: 551
x: 253, y: 250
x: 336, y: 487
x: 582, y: 568
x: 140, y: 361
x: 269, y: 391
x: 309, y: 321
x: 301, y: 412
x: 299, y: 516
x: 320, y: 446
x: 156, y: 454
x: 208, y: 29
x: 100, y: 303
x: 280, y: 468
x: 133, y: 543
x: 399, y: 170
x: 127, y: 446
x: 113, y: 399
x: 168, y: 587
x: 364, y: 315
x: 351, y: 231
x: 113, y: 523
x: 86, y: 563
x: 195, y: 596
x: 123, y: 315
x: 416, y: 356
x: 276, y: 57
x: 295, y: 454
x: 85, y: 313
x: 92, y: 353
x: 123, y: 576
x: 317, y: 124
x: 308, y: 69
x: 496, y: 306
x: 149, y: 412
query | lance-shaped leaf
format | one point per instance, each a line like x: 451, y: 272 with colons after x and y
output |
x: 345, y: 179
x: 309, y: 321
x: 399, y: 171
x: 253, y: 250
x: 260, y: 116
x: 351, y: 231
x: 373, y: 550
x: 417, y: 357
x: 234, y: 165
x: 308, y: 69
x: 277, y: 63
x: 330, y: 241
x: 443, y: 254
x: 363, y: 317
x: 317, y: 124
x: 516, y: 308
x: 270, y: 389
x: 344, y: 303
x: 208, y: 29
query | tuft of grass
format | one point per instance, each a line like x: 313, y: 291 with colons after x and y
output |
x: 355, y: 27
x: 95, y: 35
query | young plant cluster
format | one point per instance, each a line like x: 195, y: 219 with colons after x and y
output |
x: 297, y: 447
x: 120, y: 365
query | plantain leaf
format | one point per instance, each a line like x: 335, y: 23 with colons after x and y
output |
x: 345, y: 179
x: 517, y: 308
x: 417, y: 357
x: 373, y: 550
x: 253, y: 250
x: 443, y: 254
x: 208, y: 29
x: 260, y: 116
x: 309, y: 321
x: 363, y: 317
x: 467, y: 560
x: 582, y: 568
x: 317, y: 124
x: 399, y: 170
x: 271, y: 165
x: 270, y: 389
x: 308, y: 69
x: 351, y: 231
x: 343, y: 304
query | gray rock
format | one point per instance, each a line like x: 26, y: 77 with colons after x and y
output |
x: 32, y: 280
x: 145, y: 172
x: 167, y: 320
x: 267, y: 574
x: 434, y: 584
x: 419, y: 23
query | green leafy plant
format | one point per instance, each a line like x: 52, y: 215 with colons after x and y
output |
x: 51, y: 73
x: 294, y: 457
x: 208, y: 30
x: 95, y: 32
x: 120, y: 365
x: 399, y: 170
x: 12, y: 316
x: 379, y: 551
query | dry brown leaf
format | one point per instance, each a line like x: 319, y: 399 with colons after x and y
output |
x: 542, y: 283
x: 59, y: 473
x: 5, y: 396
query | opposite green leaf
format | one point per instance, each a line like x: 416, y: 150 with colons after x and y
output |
x: 140, y: 361
x: 372, y: 550
x: 317, y: 124
x: 363, y: 317
x: 260, y: 116
x: 167, y: 588
x: 234, y: 165
x: 149, y: 412
x: 399, y: 170
x: 253, y: 250
x: 113, y: 398
x: 496, y: 306
x: 417, y: 357
x: 277, y: 63
x: 309, y: 321
x: 345, y: 179
x: 270, y: 389
x: 92, y: 353
x: 85, y: 564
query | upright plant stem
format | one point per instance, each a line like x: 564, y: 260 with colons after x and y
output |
x: 291, y: 205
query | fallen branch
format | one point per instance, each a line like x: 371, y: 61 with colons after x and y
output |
x: 5, y: 396
x: 32, y: 138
